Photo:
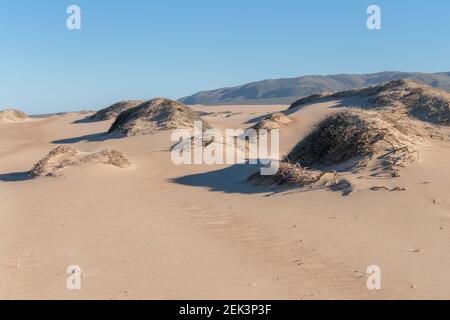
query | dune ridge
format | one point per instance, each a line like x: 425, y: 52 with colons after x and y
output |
x: 114, y: 110
x: 402, y: 96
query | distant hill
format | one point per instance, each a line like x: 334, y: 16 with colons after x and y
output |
x: 285, y: 91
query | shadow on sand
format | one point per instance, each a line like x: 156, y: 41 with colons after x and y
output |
x: 15, y: 176
x: 83, y: 120
x: 230, y: 180
x: 234, y: 180
x: 102, y: 136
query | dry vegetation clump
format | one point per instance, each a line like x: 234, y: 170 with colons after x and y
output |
x: 274, y: 121
x: 12, y: 115
x: 340, y: 137
x: 154, y: 115
x: 114, y: 110
x: 57, y: 159
x: 344, y: 142
x: 290, y: 174
x: 419, y: 101
x: 65, y: 156
x: 111, y: 157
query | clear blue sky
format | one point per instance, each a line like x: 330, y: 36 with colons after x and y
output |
x: 146, y: 48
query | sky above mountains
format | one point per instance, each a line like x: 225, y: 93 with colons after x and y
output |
x: 141, y: 49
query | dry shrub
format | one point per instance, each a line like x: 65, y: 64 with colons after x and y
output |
x: 12, y: 115
x: 294, y: 174
x: 340, y: 137
x: 57, y: 159
x: 428, y: 105
x: 65, y: 156
x: 272, y: 122
x: 111, y: 157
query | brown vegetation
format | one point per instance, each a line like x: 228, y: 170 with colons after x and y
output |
x: 12, y: 115
x: 154, y: 115
x: 65, y: 156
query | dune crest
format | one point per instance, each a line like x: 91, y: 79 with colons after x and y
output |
x: 402, y: 96
x: 154, y: 115
x: 114, y: 110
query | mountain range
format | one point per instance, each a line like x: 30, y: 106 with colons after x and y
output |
x: 287, y: 90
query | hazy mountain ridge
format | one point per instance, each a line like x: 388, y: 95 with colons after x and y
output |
x: 287, y: 90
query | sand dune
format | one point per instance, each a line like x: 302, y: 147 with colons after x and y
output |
x: 65, y: 156
x: 400, y: 96
x: 159, y: 231
x: 154, y: 115
x: 12, y: 115
x: 344, y: 147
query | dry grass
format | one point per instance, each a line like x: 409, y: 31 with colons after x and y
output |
x: 419, y: 101
x: 340, y: 137
x: 55, y: 161
x: 111, y: 157
x: 290, y: 174
x: 342, y: 143
x: 65, y: 156
x: 114, y: 110
x: 11, y: 115
x: 154, y: 115
x: 274, y: 121
x: 416, y: 100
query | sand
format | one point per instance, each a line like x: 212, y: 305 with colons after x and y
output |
x: 161, y: 231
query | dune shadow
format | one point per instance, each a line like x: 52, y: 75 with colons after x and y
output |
x: 83, y: 120
x: 102, y: 136
x: 232, y: 179
x: 15, y: 176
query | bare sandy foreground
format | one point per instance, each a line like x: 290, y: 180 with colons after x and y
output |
x: 161, y: 231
